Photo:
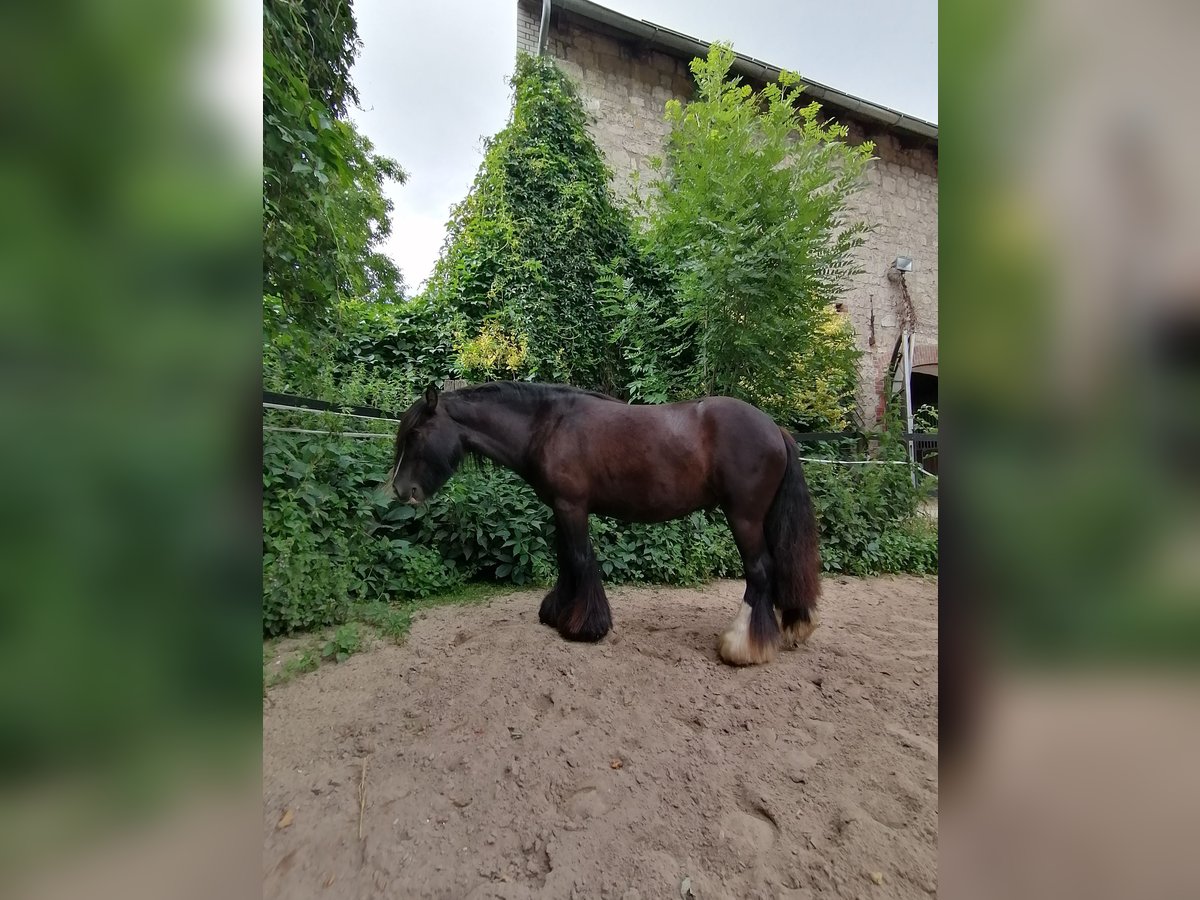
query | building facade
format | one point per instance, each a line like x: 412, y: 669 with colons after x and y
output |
x: 627, y: 69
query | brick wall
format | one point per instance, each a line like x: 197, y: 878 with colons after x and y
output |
x: 624, y: 89
x: 529, y: 21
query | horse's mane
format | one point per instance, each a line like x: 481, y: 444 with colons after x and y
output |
x: 523, y: 391
x: 407, y: 421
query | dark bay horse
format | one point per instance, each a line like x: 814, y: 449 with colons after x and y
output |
x: 583, y: 452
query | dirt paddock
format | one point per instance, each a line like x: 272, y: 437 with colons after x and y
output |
x: 503, y: 762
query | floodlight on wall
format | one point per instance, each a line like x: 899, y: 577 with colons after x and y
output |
x: 902, y: 264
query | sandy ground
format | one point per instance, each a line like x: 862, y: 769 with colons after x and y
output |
x: 504, y: 762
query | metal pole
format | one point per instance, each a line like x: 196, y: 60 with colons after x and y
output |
x: 544, y: 31
x: 906, y: 345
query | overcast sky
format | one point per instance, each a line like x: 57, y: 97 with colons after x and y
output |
x: 432, y: 79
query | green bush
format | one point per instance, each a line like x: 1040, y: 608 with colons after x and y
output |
x: 361, y: 354
x: 911, y: 547
x: 867, y: 517
x: 324, y: 545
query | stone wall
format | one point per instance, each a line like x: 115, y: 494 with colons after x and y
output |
x: 900, y: 197
x: 624, y: 88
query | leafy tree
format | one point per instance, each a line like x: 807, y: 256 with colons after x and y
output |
x: 324, y: 212
x: 527, y: 247
x: 360, y: 215
x: 750, y: 212
x: 655, y: 345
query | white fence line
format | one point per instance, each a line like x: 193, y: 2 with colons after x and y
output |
x: 326, y: 412
x: 353, y: 434
x: 864, y: 462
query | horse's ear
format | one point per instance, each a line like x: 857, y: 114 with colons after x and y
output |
x: 431, y: 397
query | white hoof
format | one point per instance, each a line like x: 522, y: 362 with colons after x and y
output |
x: 736, y: 647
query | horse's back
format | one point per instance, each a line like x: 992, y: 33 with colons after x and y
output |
x: 695, y: 431
x: 653, y: 463
x: 668, y: 427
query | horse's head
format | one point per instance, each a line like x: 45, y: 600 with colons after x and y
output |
x: 429, y: 447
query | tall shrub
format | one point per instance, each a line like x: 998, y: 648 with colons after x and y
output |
x: 528, y: 246
x: 750, y: 210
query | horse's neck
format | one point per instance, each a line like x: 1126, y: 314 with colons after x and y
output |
x: 501, y: 433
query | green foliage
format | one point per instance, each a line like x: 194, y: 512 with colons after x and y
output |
x: 527, y: 247
x: 393, y: 620
x: 390, y: 620
x: 490, y: 523
x: 324, y: 545
x: 364, y: 354
x: 654, y: 344
x: 750, y: 211
x: 818, y: 392
x: 867, y: 515
x: 684, y: 551
x: 324, y: 211
x: 492, y: 354
x: 925, y: 418
x: 910, y: 546
x: 346, y: 641
x: 306, y: 660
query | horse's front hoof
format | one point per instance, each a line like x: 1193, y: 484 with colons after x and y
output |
x: 590, y: 631
x: 586, y: 636
x: 548, y: 613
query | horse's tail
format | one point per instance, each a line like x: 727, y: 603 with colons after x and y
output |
x: 791, y: 532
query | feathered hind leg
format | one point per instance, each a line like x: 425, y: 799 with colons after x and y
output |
x: 753, y: 637
x: 791, y: 531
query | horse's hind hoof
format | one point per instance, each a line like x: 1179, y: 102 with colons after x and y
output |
x: 799, y: 632
x: 737, y: 651
x: 740, y: 646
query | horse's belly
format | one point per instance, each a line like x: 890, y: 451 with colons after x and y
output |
x: 647, y: 496
x: 642, y: 512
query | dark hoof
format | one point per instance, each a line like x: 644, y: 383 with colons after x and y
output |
x: 591, y: 631
x: 585, y: 635
x: 548, y: 614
